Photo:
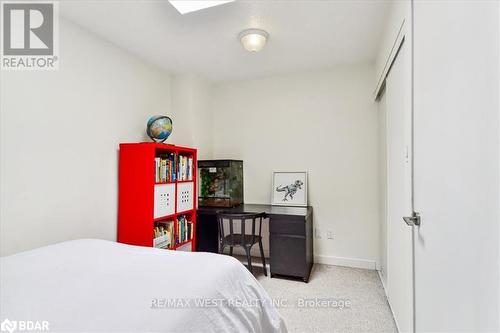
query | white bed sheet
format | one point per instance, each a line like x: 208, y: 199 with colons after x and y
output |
x: 102, y: 286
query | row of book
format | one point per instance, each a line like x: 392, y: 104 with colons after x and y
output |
x: 185, y: 168
x: 170, y: 167
x: 165, y: 168
x: 184, y: 230
x: 170, y: 233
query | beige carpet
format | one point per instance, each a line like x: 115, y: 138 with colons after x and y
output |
x: 368, y: 310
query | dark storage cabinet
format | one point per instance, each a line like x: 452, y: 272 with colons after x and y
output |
x: 287, y: 255
x: 290, y: 239
x: 290, y: 245
x: 207, y: 232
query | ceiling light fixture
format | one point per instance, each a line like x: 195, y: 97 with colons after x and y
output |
x: 188, y: 6
x: 253, y: 40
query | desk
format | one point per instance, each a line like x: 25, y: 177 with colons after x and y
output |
x: 290, y: 239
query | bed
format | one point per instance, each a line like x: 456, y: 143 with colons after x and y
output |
x: 96, y: 285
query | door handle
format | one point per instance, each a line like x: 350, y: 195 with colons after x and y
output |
x: 412, y: 220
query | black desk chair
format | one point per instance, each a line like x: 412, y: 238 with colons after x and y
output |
x: 242, y: 239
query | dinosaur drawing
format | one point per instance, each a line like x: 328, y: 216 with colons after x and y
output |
x: 290, y: 190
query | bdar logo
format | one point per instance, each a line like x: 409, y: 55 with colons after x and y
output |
x: 24, y: 326
x: 8, y: 326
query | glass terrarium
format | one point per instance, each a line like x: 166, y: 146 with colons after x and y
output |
x: 221, y: 183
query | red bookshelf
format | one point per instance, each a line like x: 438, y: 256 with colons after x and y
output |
x: 143, y: 201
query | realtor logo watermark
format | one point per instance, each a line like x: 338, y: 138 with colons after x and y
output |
x: 12, y: 326
x: 30, y: 35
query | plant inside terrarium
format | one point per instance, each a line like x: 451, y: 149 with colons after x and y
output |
x: 221, y: 183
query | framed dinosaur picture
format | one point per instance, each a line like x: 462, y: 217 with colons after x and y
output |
x: 289, y: 188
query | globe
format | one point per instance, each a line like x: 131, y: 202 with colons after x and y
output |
x: 159, y: 128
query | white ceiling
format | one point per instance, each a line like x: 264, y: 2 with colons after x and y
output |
x: 303, y: 34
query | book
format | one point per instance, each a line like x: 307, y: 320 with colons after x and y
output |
x: 157, y: 169
x: 174, y: 168
x: 190, y: 168
x: 189, y: 230
x: 163, y: 170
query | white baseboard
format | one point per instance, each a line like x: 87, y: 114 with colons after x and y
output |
x: 347, y: 262
x: 382, y: 281
x: 388, y: 302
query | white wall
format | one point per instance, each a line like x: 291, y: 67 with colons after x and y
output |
x: 457, y: 165
x: 324, y: 122
x: 59, y: 140
x: 192, y: 124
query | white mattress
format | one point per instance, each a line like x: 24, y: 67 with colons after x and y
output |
x: 101, y: 286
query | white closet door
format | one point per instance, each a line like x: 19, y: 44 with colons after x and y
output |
x: 399, y: 235
x: 456, y: 165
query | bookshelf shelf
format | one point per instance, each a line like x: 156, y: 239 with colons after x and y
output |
x: 166, y: 217
x: 145, y: 203
x: 186, y: 212
x: 182, y: 244
x: 172, y: 216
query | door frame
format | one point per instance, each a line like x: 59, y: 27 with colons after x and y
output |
x: 404, y: 35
